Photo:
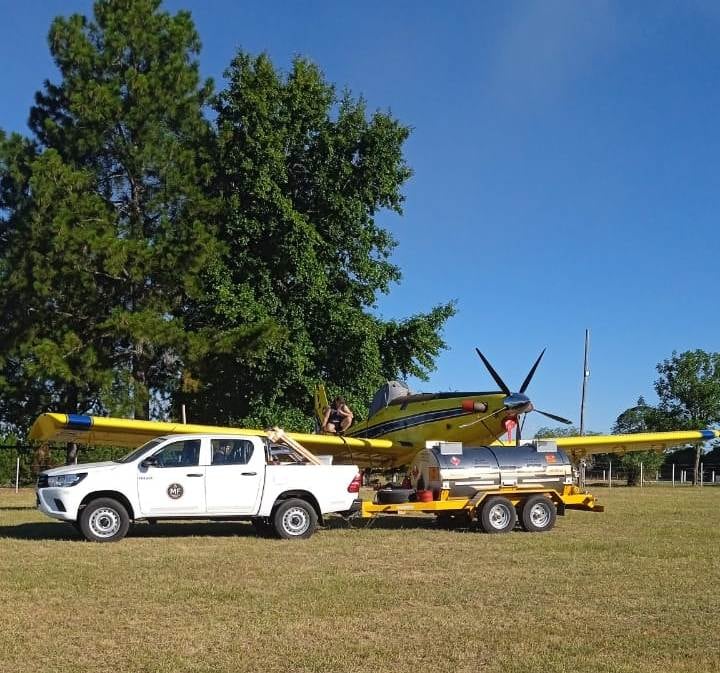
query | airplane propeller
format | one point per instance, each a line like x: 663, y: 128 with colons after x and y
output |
x: 519, y: 400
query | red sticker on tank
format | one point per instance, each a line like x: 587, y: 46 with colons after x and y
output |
x: 455, y: 460
x: 550, y: 457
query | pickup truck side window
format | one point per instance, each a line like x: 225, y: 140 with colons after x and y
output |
x: 231, y: 451
x: 185, y: 453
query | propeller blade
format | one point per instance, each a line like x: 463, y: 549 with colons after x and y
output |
x: 559, y: 419
x: 493, y: 373
x: 531, y: 373
x: 518, y: 435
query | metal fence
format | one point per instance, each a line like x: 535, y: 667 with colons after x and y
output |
x: 675, y: 474
x: 20, y: 464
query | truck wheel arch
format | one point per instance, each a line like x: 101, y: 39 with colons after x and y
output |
x: 301, y: 495
x: 115, y: 495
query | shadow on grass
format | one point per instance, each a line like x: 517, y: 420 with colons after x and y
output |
x: 40, y: 531
x: 390, y: 523
x: 177, y: 529
x: 18, y: 508
x: 65, y: 531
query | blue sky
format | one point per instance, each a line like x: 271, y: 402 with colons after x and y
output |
x: 566, y: 159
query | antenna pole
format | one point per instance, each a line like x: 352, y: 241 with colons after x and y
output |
x: 586, y: 376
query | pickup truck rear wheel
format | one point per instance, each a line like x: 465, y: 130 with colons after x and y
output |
x: 295, y: 519
x: 104, y: 520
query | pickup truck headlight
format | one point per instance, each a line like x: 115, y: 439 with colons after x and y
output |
x: 64, y: 480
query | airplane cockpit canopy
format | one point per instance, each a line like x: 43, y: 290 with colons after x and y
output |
x: 388, y: 392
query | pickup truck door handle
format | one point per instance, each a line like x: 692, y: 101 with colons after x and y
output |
x: 194, y: 474
x: 248, y: 474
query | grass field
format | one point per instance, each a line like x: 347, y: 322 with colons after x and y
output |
x: 635, y: 589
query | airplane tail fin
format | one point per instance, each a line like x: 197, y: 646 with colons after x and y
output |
x: 321, y: 404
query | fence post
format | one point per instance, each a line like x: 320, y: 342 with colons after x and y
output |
x: 610, y: 475
x: 713, y: 476
x: 17, y: 474
x: 702, y: 470
x: 641, y: 474
x: 673, y: 474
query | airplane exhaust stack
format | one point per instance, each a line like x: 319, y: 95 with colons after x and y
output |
x: 472, y: 405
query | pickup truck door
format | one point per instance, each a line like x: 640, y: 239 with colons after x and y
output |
x: 235, y: 476
x: 176, y: 483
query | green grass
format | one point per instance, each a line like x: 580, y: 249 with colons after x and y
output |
x: 635, y: 589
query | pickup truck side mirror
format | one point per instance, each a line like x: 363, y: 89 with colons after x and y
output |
x: 150, y: 461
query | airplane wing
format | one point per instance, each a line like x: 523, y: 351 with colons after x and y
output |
x: 122, y: 432
x: 587, y: 445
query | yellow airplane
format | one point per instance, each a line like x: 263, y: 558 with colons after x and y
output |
x: 398, y: 425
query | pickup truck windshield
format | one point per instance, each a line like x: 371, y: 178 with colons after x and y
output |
x: 136, y: 453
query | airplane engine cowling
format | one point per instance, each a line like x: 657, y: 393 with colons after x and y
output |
x: 487, y: 468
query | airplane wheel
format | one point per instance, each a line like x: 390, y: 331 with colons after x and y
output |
x: 497, y: 515
x: 538, y: 514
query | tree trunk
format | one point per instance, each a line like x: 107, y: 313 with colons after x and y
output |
x: 71, y: 453
x: 696, y: 476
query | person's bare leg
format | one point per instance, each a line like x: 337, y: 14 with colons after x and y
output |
x: 346, y: 423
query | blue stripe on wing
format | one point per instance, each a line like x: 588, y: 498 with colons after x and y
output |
x: 79, y: 422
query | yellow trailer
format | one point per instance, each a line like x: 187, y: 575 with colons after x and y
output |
x: 496, y: 510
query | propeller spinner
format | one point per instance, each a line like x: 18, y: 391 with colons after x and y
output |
x: 519, y: 403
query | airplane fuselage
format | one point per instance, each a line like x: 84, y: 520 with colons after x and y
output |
x: 474, y: 418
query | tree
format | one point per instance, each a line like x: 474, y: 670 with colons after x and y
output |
x: 107, y: 225
x: 689, y: 392
x: 302, y: 175
x: 641, y: 418
x: 560, y: 431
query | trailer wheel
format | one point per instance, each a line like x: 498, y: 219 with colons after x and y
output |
x: 295, y: 519
x: 104, y: 520
x: 538, y: 514
x: 497, y: 515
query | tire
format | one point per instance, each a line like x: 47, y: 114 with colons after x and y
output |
x: 294, y: 519
x: 538, y: 514
x: 394, y: 496
x: 104, y: 520
x: 497, y: 515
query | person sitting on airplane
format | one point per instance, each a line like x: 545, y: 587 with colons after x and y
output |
x: 338, y: 417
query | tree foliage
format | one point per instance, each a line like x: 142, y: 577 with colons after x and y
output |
x: 545, y: 432
x: 641, y: 418
x: 107, y: 229
x: 689, y: 392
x: 151, y: 256
x: 302, y: 173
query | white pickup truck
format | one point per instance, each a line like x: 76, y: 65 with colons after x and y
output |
x: 199, y: 476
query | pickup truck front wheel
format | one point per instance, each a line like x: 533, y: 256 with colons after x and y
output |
x: 295, y: 519
x: 104, y: 520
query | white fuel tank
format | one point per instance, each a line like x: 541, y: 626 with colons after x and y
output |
x: 487, y: 468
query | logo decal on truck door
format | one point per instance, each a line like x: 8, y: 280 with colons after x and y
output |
x: 175, y: 491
